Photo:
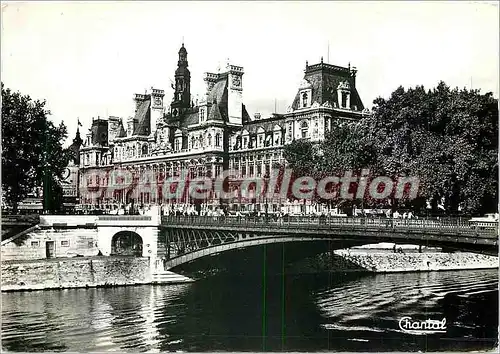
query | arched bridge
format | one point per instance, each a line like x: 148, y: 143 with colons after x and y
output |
x: 190, y: 237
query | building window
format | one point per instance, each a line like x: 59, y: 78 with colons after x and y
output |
x: 304, y: 129
x: 192, y: 173
x: 90, y: 244
x: 176, y: 145
x: 64, y: 243
x: 217, y: 140
x: 251, y: 170
x: 344, y: 99
x: 217, y: 170
x: 202, y: 115
x: 261, y: 140
x: 276, y: 139
x: 209, y: 140
x: 35, y: 243
x: 144, y: 150
x: 245, y: 143
x: 243, y: 170
x: 304, y: 99
x: 200, y: 171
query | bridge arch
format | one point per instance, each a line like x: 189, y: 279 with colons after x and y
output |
x: 219, y: 247
x: 127, y: 243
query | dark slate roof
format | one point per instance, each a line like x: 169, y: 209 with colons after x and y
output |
x: 325, y: 79
x: 74, y: 148
x: 245, y: 117
x: 267, y: 124
x: 99, y: 132
x: 190, y: 117
x: 218, y: 92
x: 215, y: 113
x: 217, y: 109
x: 121, y: 131
x: 143, y: 116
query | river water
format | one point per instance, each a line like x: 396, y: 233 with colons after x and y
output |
x: 315, y: 312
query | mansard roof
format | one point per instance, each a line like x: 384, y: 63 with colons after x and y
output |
x: 99, y: 132
x: 268, y: 124
x: 143, y: 116
x: 191, y: 117
x: 74, y: 148
x: 324, y: 80
x: 215, y: 113
x: 121, y: 132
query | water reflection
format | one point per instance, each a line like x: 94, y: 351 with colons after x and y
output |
x: 272, y: 313
x: 86, y: 319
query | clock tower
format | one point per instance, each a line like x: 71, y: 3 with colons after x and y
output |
x: 235, y: 94
x: 156, y: 108
x: 182, y: 95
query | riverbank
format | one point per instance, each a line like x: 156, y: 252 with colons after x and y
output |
x: 385, y: 260
x: 84, y: 272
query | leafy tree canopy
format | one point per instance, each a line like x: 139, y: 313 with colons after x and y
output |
x: 32, y: 151
x: 448, y: 138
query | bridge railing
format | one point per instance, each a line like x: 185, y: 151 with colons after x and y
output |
x: 124, y: 218
x: 308, y: 222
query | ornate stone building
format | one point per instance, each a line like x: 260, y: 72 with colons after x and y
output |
x: 213, y: 135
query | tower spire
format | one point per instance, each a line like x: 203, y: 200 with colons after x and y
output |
x: 182, y: 96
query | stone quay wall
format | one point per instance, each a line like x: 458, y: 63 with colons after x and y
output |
x: 75, y: 273
x: 379, y: 261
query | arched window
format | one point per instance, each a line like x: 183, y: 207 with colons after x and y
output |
x: 192, y: 142
x: 217, y: 140
x: 133, y: 151
x: 209, y: 140
x: 176, y: 144
x: 202, y: 115
x: 144, y: 149
x: 304, y: 99
x: 304, y: 129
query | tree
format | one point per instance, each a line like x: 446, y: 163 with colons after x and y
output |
x: 32, y: 154
x: 447, y: 138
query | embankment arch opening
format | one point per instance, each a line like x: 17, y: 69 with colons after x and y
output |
x: 126, y: 243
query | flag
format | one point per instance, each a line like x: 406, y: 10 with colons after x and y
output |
x: 79, y: 124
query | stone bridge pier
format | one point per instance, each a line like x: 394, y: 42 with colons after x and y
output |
x: 137, y: 234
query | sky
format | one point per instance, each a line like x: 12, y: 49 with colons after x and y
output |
x: 88, y: 59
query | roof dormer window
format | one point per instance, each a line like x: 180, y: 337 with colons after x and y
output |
x: 304, y: 100
x: 202, y: 115
x: 344, y: 95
